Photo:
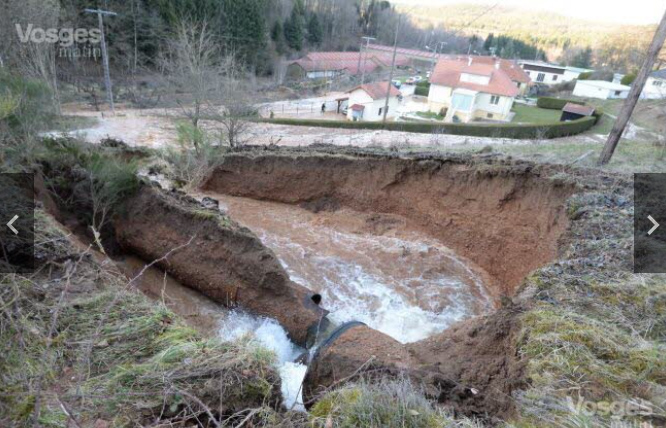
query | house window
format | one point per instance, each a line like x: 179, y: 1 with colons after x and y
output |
x: 617, y: 93
x: 528, y: 73
x: 518, y: 84
x: 380, y: 111
x: 657, y: 83
x: 490, y: 115
x: 494, y: 100
x: 554, y: 77
x: 541, y: 77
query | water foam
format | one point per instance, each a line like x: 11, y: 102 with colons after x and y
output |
x: 270, y: 334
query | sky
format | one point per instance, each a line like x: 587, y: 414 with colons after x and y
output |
x: 615, y: 11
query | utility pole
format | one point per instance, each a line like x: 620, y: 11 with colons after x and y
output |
x: 634, y: 94
x: 390, y: 81
x: 365, y: 59
x: 105, y: 55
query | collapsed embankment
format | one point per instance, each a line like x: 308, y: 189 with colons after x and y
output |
x: 505, y: 218
x: 212, y: 254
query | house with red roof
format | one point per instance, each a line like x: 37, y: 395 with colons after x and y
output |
x: 464, y: 90
x: 368, y: 102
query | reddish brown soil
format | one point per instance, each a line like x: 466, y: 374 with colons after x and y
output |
x: 224, y: 262
x: 505, y: 219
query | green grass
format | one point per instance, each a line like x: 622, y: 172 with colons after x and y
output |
x: 529, y: 114
x: 429, y: 115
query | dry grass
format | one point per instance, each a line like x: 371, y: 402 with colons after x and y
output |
x: 145, y: 367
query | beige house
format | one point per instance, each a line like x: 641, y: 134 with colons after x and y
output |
x: 464, y: 91
x: 368, y: 102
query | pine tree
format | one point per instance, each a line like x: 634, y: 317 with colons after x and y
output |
x: 583, y: 59
x: 315, y: 32
x: 276, y: 31
x: 293, y: 29
x: 489, y: 42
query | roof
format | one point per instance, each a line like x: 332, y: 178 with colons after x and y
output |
x: 351, y: 62
x: 604, y: 84
x: 404, y: 51
x: 377, y: 90
x: 543, y: 64
x: 660, y: 74
x: 578, y: 109
x: 448, y: 71
x: 358, y: 107
x: 350, y: 66
x: 578, y: 69
x: 511, y: 68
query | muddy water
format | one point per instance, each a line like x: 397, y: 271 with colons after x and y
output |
x: 367, y: 267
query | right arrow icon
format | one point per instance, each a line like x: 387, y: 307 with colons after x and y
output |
x: 656, y: 225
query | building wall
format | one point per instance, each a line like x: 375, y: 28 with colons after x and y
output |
x: 522, y: 87
x: 372, y: 107
x: 438, y: 98
x: 570, y: 75
x: 583, y: 89
x: 653, y: 91
x: 500, y: 111
x: 549, y: 78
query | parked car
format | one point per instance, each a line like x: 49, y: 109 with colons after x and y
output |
x: 397, y: 83
x: 417, y: 78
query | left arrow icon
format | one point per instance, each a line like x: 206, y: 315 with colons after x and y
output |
x: 12, y: 228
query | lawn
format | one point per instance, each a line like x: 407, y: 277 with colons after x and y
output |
x: 528, y: 114
x: 429, y: 115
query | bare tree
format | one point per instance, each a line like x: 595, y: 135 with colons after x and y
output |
x: 193, y: 67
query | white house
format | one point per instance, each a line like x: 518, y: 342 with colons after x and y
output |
x: 463, y: 90
x: 600, y: 89
x: 543, y: 72
x: 655, y: 86
x: 367, y: 102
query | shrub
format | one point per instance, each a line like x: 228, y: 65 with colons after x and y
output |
x: 422, y: 91
x: 25, y: 104
x: 493, y: 130
x: 628, y: 79
x: 555, y: 103
x: 585, y: 76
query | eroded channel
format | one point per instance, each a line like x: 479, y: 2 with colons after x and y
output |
x: 367, y: 267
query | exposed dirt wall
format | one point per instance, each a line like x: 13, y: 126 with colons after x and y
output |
x: 505, y: 219
x: 224, y: 261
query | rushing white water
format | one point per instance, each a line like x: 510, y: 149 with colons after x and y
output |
x: 367, y: 268
x: 270, y: 334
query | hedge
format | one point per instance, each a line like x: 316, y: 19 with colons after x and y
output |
x: 508, y: 130
x: 551, y: 103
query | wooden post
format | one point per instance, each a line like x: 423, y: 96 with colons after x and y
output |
x: 634, y: 94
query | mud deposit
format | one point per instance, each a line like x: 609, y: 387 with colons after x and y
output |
x: 367, y: 267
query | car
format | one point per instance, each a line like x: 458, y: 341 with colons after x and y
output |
x: 417, y: 78
x: 397, y: 83
x: 410, y: 81
x: 428, y: 74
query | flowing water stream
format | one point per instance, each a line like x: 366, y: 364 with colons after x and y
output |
x: 367, y: 267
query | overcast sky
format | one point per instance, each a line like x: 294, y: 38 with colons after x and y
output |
x: 618, y: 11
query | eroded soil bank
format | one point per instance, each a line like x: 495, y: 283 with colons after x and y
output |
x: 506, y: 219
x: 503, y: 217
